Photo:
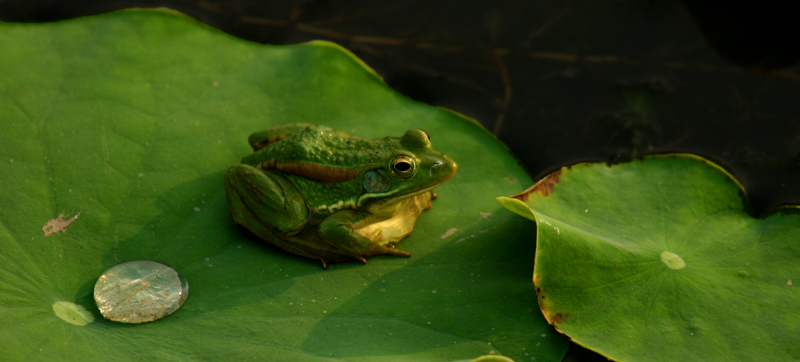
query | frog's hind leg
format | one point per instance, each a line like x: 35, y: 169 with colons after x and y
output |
x: 296, y: 244
x: 262, y: 201
x: 268, y: 206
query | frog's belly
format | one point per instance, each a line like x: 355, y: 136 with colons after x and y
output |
x: 398, y: 226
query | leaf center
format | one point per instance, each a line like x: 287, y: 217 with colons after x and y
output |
x: 672, y: 260
x: 73, y: 313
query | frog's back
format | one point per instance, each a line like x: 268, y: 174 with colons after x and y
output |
x: 323, y: 146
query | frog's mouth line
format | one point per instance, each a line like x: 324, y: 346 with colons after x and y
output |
x: 395, y: 198
x: 360, y: 202
x: 429, y: 188
x: 418, y: 192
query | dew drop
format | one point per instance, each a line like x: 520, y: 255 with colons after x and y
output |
x: 139, y: 291
x: 672, y: 260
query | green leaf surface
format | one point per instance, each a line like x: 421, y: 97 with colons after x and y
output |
x: 658, y: 260
x: 116, y: 133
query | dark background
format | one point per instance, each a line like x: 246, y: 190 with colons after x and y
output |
x: 560, y: 81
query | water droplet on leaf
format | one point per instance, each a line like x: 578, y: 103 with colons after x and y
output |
x: 140, y: 291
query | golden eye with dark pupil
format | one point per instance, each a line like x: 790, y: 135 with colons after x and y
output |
x: 402, y: 166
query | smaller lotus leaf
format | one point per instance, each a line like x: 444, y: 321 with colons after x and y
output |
x: 659, y: 260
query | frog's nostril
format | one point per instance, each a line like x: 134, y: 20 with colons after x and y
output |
x: 435, y: 164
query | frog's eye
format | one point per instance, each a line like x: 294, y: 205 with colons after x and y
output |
x: 428, y: 136
x: 402, y: 166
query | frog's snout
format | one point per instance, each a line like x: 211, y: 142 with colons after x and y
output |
x: 445, y: 169
x: 454, y: 167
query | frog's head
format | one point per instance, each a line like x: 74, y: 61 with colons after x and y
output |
x: 412, y: 168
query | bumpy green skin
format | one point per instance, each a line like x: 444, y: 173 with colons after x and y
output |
x: 309, y: 189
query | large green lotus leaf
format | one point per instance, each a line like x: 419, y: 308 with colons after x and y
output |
x: 125, y: 123
x: 658, y: 260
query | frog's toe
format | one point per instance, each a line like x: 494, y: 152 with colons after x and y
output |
x: 377, y: 249
x: 399, y: 252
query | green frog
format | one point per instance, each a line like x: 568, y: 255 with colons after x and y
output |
x: 325, y: 195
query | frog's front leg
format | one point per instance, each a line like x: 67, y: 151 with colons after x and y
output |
x: 337, y: 230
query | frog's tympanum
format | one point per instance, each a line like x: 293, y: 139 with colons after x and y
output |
x: 323, y: 194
